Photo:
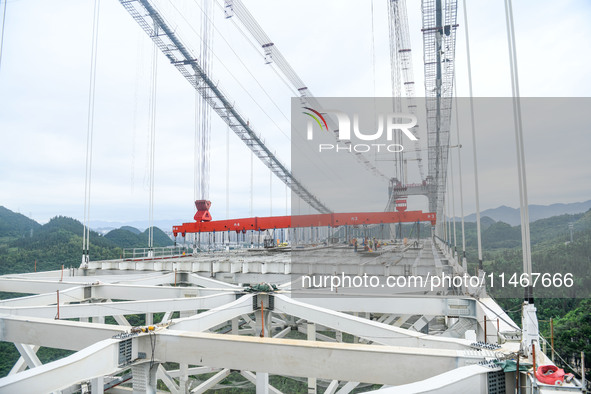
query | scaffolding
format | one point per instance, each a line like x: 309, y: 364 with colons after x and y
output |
x: 439, y: 37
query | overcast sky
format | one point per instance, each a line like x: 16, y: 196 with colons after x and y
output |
x: 44, y: 78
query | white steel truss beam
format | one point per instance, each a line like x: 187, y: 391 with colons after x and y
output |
x: 96, y: 360
x: 400, y: 305
x: 163, y: 375
x: 85, y: 310
x: 82, y: 276
x: 332, y: 387
x: 34, y: 286
x: 367, y: 329
x: 61, y: 334
x: 322, y: 360
x: 253, y: 379
x: 73, y: 294
x: 100, y: 291
x: 121, y: 320
x: 298, y: 358
x: 347, y: 388
x: 202, y: 281
x: 175, y: 373
x: 28, y: 353
x: 213, y: 317
x: 21, y: 364
x: 138, y: 292
x: 209, y: 383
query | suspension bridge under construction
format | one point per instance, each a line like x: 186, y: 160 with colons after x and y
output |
x: 338, y: 302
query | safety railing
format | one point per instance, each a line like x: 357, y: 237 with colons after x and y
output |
x: 154, y: 253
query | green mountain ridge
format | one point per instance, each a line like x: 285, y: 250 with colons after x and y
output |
x: 14, y: 224
x: 536, y: 212
x: 501, y: 235
x: 125, y: 238
x: 60, y: 242
x: 131, y: 229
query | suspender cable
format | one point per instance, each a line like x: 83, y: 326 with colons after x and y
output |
x: 139, y: 74
x: 464, y: 264
x: 204, y: 108
x: 198, y: 153
x: 2, y: 31
x: 523, y: 200
x: 449, y: 212
x: 152, y: 139
x: 476, y: 190
x: 228, y: 172
x: 197, y: 150
x: 251, y: 181
x: 373, y: 51
x: 203, y: 117
x: 530, y: 332
x: 447, y: 219
x: 444, y: 223
x: 453, y: 204
x: 89, y: 133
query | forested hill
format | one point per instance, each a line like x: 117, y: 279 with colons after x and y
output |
x: 536, y: 212
x: 22, y: 241
x: 14, y: 224
x: 552, y: 252
x: 500, y: 235
x: 131, y: 229
x: 126, y: 237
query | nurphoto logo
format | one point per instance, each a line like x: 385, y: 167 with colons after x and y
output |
x: 387, y: 124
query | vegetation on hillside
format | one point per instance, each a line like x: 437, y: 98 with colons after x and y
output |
x: 130, y: 229
x: 125, y: 238
x: 14, y: 224
x: 552, y: 252
x: 59, y: 242
x: 53, y: 244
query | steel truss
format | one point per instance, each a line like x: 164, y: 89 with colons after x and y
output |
x: 150, y: 20
x: 439, y: 38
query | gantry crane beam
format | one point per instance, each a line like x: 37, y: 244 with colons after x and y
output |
x: 303, y: 221
x: 152, y: 22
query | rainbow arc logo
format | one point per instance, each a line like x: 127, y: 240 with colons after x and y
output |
x: 315, y: 116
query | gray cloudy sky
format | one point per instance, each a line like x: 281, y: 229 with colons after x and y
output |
x: 44, y: 79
